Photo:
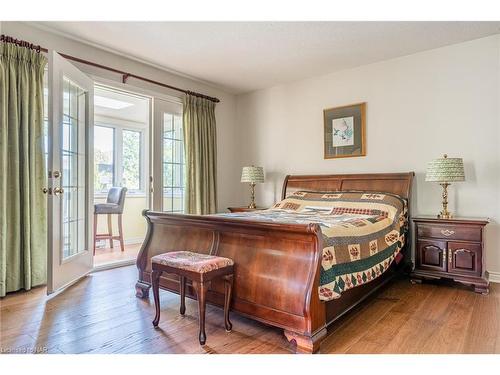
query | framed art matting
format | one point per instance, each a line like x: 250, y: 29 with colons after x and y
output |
x: 344, y: 131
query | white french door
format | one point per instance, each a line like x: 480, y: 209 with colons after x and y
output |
x: 168, y: 157
x: 70, y: 180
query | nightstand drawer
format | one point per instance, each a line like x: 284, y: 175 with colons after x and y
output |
x: 450, y: 232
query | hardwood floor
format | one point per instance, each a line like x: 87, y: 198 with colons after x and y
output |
x: 100, y: 314
x: 107, y: 255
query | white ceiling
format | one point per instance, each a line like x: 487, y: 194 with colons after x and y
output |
x: 245, y: 56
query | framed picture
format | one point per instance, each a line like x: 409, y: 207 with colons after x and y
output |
x: 344, y: 131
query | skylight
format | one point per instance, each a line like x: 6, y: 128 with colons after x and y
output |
x: 102, y: 101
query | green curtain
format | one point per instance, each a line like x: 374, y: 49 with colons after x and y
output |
x: 200, y: 146
x: 23, y: 206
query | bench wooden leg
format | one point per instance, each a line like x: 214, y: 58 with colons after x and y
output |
x: 182, y: 281
x: 155, y: 281
x: 228, y: 288
x: 201, y: 291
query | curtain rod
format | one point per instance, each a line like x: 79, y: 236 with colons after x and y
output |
x: 125, y: 75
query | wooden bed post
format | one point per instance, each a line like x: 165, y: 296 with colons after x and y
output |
x: 142, y: 290
x: 307, y: 344
x: 314, y: 308
x: 141, y: 287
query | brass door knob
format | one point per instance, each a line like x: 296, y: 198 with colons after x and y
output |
x: 58, y: 191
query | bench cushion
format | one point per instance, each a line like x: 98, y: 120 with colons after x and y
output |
x: 189, y: 261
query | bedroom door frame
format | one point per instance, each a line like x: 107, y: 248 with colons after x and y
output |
x: 154, y: 142
x: 147, y: 144
x: 160, y: 103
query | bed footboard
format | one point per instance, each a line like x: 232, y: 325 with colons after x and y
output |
x: 277, y: 268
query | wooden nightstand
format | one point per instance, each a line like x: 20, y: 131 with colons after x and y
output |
x: 244, y: 209
x: 451, y: 249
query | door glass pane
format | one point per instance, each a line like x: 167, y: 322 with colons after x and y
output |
x: 131, y: 159
x: 104, y: 151
x: 173, y: 163
x: 46, y: 120
x: 73, y: 169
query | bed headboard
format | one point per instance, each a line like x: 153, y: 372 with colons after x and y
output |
x: 396, y: 183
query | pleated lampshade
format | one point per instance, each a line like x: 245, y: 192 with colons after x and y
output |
x: 445, y: 169
x: 252, y: 174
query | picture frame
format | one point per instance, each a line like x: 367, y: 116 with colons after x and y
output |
x: 344, y: 131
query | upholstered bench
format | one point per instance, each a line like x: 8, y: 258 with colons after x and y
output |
x: 201, y: 269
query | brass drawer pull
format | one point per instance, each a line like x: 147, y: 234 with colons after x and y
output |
x: 447, y: 232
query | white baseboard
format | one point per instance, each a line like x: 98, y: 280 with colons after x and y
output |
x: 494, y: 277
x: 126, y: 241
x: 133, y: 241
x: 113, y: 264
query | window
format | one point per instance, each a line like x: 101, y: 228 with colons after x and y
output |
x: 104, y: 158
x: 118, y: 158
x: 173, y: 163
x: 131, y: 173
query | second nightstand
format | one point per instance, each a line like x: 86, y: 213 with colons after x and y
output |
x: 452, y: 249
x: 244, y: 209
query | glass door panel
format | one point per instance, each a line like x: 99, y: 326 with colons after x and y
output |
x: 173, y: 163
x: 69, y: 180
x: 168, y: 159
x: 73, y: 171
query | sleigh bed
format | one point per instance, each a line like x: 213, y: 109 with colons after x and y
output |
x: 282, y: 275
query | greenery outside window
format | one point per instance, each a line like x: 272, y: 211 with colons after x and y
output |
x: 119, y: 155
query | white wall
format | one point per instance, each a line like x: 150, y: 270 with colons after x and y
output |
x: 418, y: 107
x: 228, y: 171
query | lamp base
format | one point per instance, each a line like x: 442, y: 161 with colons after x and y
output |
x: 446, y: 215
x: 252, y: 196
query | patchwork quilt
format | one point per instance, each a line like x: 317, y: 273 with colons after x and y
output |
x: 363, y: 232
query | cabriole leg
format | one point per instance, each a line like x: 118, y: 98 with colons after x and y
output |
x: 228, y: 288
x: 182, y: 281
x: 201, y: 292
x: 155, y: 280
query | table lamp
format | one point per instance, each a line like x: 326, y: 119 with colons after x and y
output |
x: 445, y: 170
x: 253, y: 175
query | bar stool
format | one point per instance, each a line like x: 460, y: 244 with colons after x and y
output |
x: 201, y: 269
x: 113, y: 206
